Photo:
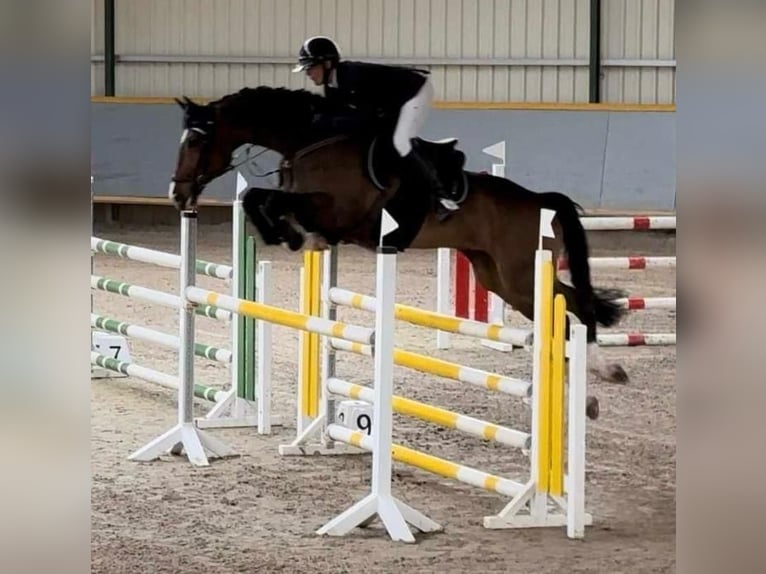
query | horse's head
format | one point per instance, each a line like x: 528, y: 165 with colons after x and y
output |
x: 276, y: 118
x: 204, y: 154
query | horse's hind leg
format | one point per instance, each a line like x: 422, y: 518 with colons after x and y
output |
x: 612, y: 372
x: 521, y: 299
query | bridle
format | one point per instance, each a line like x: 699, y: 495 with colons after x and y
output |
x: 206, y: 137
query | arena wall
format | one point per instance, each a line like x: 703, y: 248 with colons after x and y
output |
x: 476, y: 50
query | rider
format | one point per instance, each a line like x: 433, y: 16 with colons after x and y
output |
x: 376, y: 91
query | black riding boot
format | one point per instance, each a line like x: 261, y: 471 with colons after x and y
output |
x: 423, y: 168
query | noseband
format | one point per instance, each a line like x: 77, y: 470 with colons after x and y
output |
x: 206, y: 137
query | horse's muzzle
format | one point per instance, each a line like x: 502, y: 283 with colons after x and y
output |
x: 184, y: 193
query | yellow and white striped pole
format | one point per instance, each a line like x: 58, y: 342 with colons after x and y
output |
x: 282, y: 317
x: 436, y: 415
x: 441, y: 368
x: 432, y: 464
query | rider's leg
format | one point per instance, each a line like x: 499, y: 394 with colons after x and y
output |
x: 412, y: 117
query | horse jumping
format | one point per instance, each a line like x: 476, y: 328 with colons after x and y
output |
x: 334, y: 186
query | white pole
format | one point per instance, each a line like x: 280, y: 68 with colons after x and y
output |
x: 578, y: 373
x: 237, y: 263
x: 496, y: 311
x: 382, y: 424
x: 393, y: 513
x: 263, y: 336
x: 443, y: 282
x: 185, y: 436
x: 186, y: 322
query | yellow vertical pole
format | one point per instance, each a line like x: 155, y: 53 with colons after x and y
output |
x: 543, y: 433
x: 310, y: 305
x: 305, y: 306
x: 310, y: 343
x: 313, y: 339
x: 558, y: 352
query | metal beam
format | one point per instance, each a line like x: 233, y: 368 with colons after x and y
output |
x: 595, y: 52
x: 110, y: 57
x: 287, y: 60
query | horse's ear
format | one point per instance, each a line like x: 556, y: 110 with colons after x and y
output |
x: 181, y: 103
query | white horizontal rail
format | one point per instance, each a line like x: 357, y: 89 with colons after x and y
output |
x: 430, y: 413
x: 639, y: 303
x: 628, y: 223
x: 636, y: 339
x: 423, y: 318
x: 283, y: 317
x: 430, y: 463
x: 161, y: 258
x: 445, y: 369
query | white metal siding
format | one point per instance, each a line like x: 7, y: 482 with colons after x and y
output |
x: 97, y: 46
x: 494, y: 31
x: 638, y: 30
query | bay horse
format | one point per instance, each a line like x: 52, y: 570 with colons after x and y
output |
x: 334, y: 185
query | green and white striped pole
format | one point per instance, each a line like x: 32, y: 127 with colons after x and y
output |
x: 185, y: 436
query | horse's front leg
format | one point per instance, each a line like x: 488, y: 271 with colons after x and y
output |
x: 269, y: 211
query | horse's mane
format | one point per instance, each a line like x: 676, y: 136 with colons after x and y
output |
x: 269, y: 105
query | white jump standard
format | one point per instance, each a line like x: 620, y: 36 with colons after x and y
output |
x: 393, y: 513
x: 185, y: 436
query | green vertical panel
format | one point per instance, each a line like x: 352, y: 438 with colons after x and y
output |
x: 251, y: 270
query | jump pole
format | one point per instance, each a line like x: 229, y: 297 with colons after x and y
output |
x: 548, y: 482
x: 495, y: 305
x: 314, y: 400
x: 393, y: 513
x: 248, y: 402
x: 185, y: 436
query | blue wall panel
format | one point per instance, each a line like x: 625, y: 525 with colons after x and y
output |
x: 619, y: 160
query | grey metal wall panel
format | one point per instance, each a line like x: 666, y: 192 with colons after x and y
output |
x: 639, y: 30
x: 459, y: 30
x: 616, y: 159
x: 639, y: 168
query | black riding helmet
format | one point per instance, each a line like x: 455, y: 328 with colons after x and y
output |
x: 316, y: 50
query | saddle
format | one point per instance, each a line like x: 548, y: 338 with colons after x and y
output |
x: 381, y: 160
x: 382, y: 163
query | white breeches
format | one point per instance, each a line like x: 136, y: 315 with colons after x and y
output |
x: 412, y: 117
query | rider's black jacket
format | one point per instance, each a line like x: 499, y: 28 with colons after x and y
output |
x: 372, y: 92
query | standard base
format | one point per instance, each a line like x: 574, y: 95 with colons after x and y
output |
x: 393, y: 513
x: 236, y: 412
x: 314, y: 449
x: 528, y: 509
x: 197, y: 444
x: 498, y: 346
x: 308, y: 443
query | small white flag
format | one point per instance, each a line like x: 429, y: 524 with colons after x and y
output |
x: 241, y: 184
x: 496, y: 150
x: 387, y: 225
x: 546, y: 224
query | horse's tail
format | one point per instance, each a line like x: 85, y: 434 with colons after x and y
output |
x: 592, y: 302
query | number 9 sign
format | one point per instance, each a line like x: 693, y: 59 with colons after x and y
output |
x: 355, y: 415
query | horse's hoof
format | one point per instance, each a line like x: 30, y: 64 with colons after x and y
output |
x: 295, y: 242
x: 592, y: 408
x: 616, y: 374
x: 315, y: 242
